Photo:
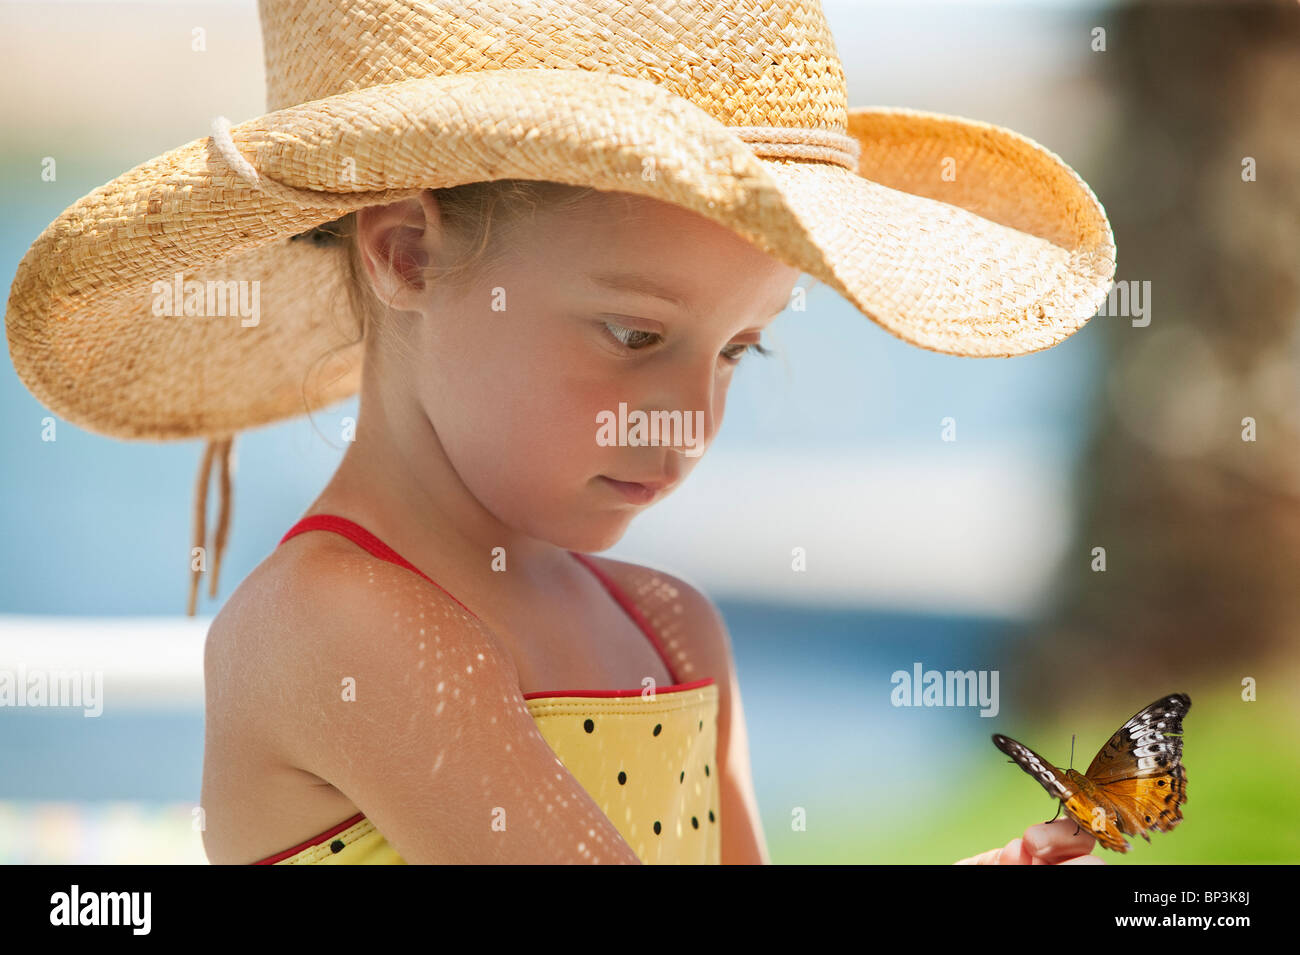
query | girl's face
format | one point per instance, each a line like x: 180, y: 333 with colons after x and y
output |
x: 616, y: 305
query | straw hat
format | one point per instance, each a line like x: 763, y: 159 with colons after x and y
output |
x: 954, y: 235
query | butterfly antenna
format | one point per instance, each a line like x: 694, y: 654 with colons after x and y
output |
x: 1072, y: 751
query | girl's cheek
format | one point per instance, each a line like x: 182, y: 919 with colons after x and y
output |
x: 547, y: 426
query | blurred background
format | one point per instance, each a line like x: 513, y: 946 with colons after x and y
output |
x: 969, y: 554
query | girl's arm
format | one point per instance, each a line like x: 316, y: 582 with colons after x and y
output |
x: 710, y: 653
x: 742, y: 839
x: 427, y: 734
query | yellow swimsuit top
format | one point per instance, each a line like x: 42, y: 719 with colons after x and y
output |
x: 649, y: 762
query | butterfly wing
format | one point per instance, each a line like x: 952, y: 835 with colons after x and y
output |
x: 1150, y: 802
x: 1100, y: 816
x: 1149, y: 744
x: 1056, y: 783
x: 1140, y: 769
x: 1081, y: 805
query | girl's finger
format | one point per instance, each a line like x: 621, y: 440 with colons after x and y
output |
x: 1054, y: 842
x: 1015, y: 853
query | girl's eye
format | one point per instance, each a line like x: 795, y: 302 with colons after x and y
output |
x: 740, y: 352
x: 635, y: 339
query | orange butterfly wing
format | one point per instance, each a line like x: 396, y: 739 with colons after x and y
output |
x: 1137, y: 780
x: 1106, y: 825
x: 1067, y: 786
x: 1140, y: 769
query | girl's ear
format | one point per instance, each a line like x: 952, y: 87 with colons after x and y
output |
x: 397, y: 243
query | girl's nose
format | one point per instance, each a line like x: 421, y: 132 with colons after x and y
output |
x: 697, y: 414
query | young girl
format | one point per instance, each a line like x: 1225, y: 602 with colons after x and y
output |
x: 475, y: 459
x: 505, y: 236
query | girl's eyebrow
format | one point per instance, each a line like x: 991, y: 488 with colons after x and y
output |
x: 644, y: 285
x: 641, y: 284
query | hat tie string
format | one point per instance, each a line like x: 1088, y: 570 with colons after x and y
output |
x: 220, y: 449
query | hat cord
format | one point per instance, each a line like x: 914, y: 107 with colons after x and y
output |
x: 796, y: 142
x: 307, y: 198
x: 218, y: 448
x: 774, y: 142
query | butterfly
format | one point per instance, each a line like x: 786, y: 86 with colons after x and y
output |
x: 1137, y: 782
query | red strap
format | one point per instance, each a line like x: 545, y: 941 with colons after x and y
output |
x: 368, y: 541
x: 631, y: 610
x: 364, y: 539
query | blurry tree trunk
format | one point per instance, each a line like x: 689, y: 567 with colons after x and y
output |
x: 1201, y: 529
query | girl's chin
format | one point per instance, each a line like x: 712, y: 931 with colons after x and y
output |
x: 598, y: 531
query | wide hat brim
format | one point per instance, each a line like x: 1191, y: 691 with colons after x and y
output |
x: 954, y: 235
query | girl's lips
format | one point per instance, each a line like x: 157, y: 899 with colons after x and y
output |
x: 636, y: 493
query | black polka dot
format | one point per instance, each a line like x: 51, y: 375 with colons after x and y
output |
x: 1160, y: 782
x: 1148, y: 818
x: 711, y: 819
x: 336, y: 845
x: 589, y: 726
x: 695, y: 823
x: 658, y: 727
x: 622, y: 778
x: 657, y: 827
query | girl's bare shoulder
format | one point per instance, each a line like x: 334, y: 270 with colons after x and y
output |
x: 310, y: 588
x: 290, y: 581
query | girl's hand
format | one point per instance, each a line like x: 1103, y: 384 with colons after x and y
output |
x: 1048, y: 843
